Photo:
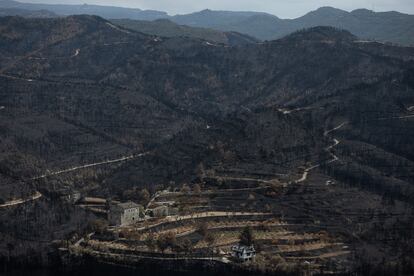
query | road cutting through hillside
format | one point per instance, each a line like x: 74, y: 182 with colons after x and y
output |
x: 77, y: 52
x: 154, y: 197
x: 247, y: 179
x: 287, y: 111
x: 38, y: 195
x: 118, y: 28
x: 15, y: 202
x: 210, y: 214
x: 125, y: 158
x: 335, y: 158
x: 15, y: 78
x: 335, y: 128
x: 223, y: 259
x: 397, y: 117
x: 303, y: 178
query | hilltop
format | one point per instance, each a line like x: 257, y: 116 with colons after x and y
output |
x: 167, y: 28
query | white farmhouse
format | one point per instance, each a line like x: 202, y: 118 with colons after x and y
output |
x: 243, y: 253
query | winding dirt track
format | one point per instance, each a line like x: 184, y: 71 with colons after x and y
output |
x: 37, y: 195
x: 77, y: 52
x: 336, y: 142
x: 303, y: 178
x: 125, y: 158
x: 396, y: 117
x: 207, y: 214
x: 328, y: 149
x: 15, y: 78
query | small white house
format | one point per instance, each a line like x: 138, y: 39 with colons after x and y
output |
x: 243, y: 253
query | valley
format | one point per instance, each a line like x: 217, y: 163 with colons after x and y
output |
x: 301, y: 145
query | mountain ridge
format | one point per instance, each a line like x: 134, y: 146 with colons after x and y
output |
x: 112, y: 12
x: 393, y: 27
x: 167, y: 28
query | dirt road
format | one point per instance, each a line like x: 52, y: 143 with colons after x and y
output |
x: 15, y: 202
x: 125, y: 158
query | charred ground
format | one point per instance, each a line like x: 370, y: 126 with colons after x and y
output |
x: 80, y: 89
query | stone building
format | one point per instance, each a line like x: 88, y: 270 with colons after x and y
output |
x: 162, y: 211
x: 125, y: 213
x: 68, y: 195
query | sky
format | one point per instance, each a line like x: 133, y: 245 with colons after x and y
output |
x: 281, y: 8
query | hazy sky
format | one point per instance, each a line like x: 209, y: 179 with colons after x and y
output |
x: 281, y: 8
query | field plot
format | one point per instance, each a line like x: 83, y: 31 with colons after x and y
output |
x: 210, y: 222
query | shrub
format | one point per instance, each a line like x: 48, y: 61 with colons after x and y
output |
x: 166, y: 240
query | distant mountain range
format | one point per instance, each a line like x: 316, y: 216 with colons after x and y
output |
x: 391, y: 27
x: 167, y: 28
x: 27, y: 13
x: 103, y: 11
x: 384, y: 26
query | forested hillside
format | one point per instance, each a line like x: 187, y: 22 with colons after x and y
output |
x: 167, y: 28
x: 81, y: 90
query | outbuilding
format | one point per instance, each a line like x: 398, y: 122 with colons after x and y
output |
x: 159, y: 211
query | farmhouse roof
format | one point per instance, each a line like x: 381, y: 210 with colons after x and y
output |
x: 243, y: 249
x: 129, y: 205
